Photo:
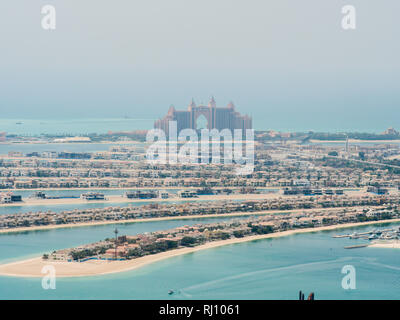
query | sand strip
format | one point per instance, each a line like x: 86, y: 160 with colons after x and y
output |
x: 203, y: 216
x: 393, y: 244
x: 111, y: 199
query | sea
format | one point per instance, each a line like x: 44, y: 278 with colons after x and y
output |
x: 33, y: 127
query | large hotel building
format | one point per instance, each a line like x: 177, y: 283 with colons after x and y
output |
x: 217, y: 118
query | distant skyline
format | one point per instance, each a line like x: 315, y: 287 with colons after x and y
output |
x: 287, y: 64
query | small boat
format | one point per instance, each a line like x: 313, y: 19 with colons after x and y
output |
x: 171, y: 292
x: 357, y: 246
x: 18, y: 123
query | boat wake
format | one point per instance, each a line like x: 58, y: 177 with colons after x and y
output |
x: 226, y: 283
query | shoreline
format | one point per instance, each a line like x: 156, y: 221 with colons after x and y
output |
x: 112, y: 199
x: 96, y: 268
x: 187, y: 217
x: 391, y: 244
x: 71, y: 142
x: 151, y: 188
x: 355, y: 141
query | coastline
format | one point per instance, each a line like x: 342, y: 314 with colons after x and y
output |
x: 393, y: 244
x: 72, y: 143
x: 127, y: 142
x: 187, y: 217
x: 120, y: 199
x: 33, y: 267
x: 355, y: 141
x: 112, y: 199
x: 148, y: 188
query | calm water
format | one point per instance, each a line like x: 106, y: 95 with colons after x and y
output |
x: 88, y: 205
x: 265, y: 269
x: 70, y: 193
x: 358, y: 143
x: 57, y: 147
x: 32, y: 127
x: 78, y: 192
x: 11, y: 209
x: 65, y: 207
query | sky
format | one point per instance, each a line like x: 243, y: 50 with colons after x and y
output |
x: 289, y: 64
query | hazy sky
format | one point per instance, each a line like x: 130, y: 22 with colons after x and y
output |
x: 288, y: 63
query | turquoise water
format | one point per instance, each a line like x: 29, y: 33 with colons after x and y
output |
x: 78, y: 192
x: 12, y: 209
x: 66, y: 207
x: 89, y: 205
x: 265, y: 269
x: 23, y: 244
x: 358, y: 143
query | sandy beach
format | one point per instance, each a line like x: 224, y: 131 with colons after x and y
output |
x: 33, y: 267
x: 355, y: 141
x: 393, y: 244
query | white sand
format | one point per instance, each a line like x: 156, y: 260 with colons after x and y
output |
x: 394, y: 244
x: 218, y: 215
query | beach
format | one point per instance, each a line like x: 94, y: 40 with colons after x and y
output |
x: 393, y: 244
x: 33, y: 267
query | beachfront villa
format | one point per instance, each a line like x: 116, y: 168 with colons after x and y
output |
x: 132, y: 247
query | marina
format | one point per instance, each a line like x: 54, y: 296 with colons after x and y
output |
x: 375, y: 236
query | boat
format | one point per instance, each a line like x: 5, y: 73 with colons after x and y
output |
x: 357, y: 246
x: 171, y: 292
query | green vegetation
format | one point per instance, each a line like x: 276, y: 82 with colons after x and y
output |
x: 188, y: 241
x: 259, y: 229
